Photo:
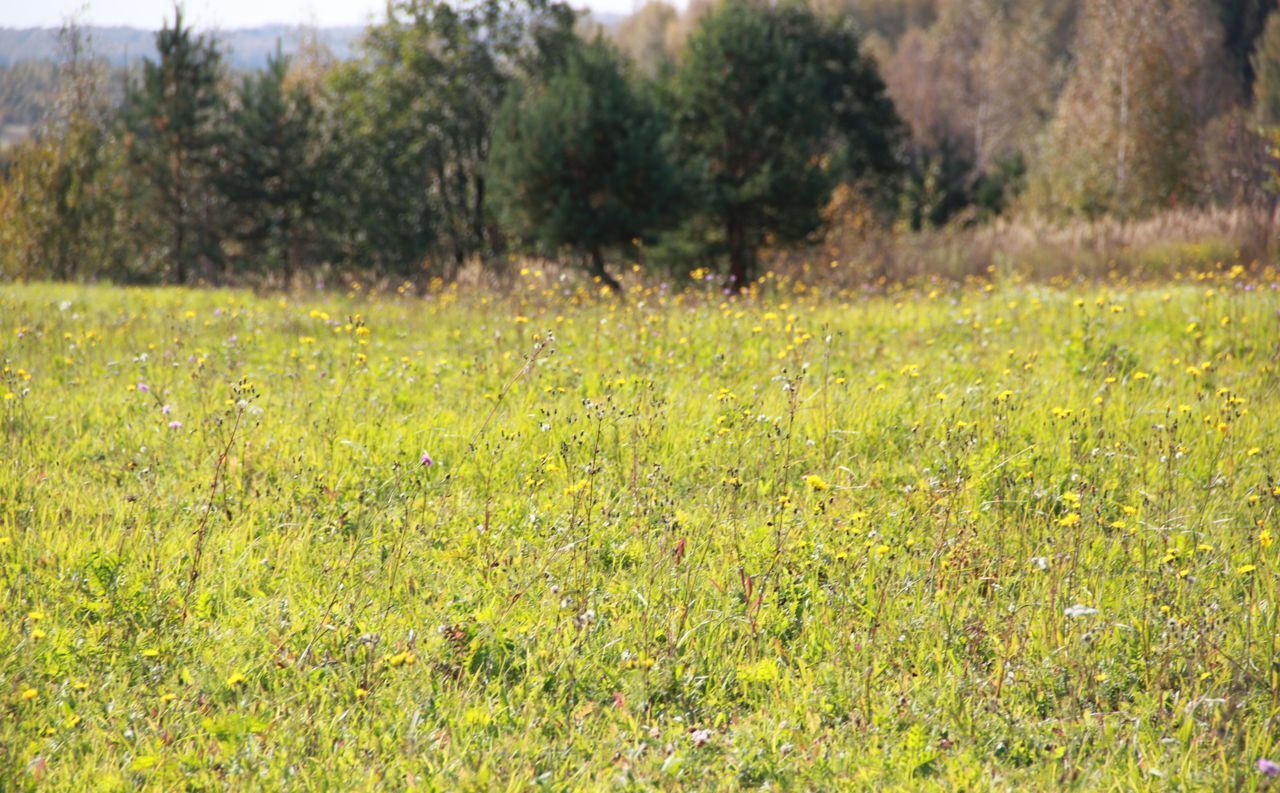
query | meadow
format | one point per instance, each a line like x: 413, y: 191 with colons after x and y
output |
x: 1003, y: 535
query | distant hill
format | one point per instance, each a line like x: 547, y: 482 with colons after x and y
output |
x: 246, y: 48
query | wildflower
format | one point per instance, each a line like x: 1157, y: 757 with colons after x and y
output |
x: 1246, y: 569
x: 144, y: 388
x: 405, y: 658
x: 1264, y: 538
x: 175, y: 425
x: 1268, y: 767
x: 816, y: 482
x: 30, y: 694
x: 763, y: 671
x: 700, y: 738
x: 426, y: 460
x: 1069, y: 519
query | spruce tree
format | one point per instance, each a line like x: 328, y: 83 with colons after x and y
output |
x: 272, y: 174
x: 172, y: 121
x: 1266, y: 65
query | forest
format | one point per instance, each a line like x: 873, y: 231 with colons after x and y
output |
x: 922, y: 137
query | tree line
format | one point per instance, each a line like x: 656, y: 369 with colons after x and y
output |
x: 1064, y: 108
x: 481, y: 131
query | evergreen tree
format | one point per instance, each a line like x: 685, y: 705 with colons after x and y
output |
x: 578, y: 162
x: 172, y: 119
x: 1266, y: 65
x: 417, y: 112
x: 773, y: 105
x: 272, y: 175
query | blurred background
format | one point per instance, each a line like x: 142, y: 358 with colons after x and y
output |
x: 426, y: 142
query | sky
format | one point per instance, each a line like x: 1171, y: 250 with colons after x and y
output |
x: 218, y: 14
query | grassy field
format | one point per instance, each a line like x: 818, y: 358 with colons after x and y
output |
x: 1008, y: 536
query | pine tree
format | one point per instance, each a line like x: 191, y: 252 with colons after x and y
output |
x: 773, y: 106
x: 172, y: 119
x: 1266, y: 65
x: 272, y: 174
x: 578, y: 162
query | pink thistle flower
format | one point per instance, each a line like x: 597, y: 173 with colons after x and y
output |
x: 426, y: 461
x: 175, y: 425
x: 1268, y: 767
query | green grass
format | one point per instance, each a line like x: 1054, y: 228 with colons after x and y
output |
x: 799, y: 541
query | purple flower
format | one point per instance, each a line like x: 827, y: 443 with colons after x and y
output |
x: 426, y: 460
x: 1268, y: 767
x: 175, y: 425
x: 165, y: 409
x: 700, y: 738
x: 143, y: 387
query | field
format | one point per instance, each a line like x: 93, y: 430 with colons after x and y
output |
x: 1000, y: 536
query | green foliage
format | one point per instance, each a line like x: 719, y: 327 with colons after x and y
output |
x: 939, y: 538
x: 273, y: 173
x: 1266, y: 65
x: 772, y: 106
x: 172, y: 121
x: 62, y: 196
x: 579, y: 161
x: 415, y: 118
x: 62, y: 202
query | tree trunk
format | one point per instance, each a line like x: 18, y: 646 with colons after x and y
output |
x: 180, y: 248
x: 740, y: 256
x: 597, y: 269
